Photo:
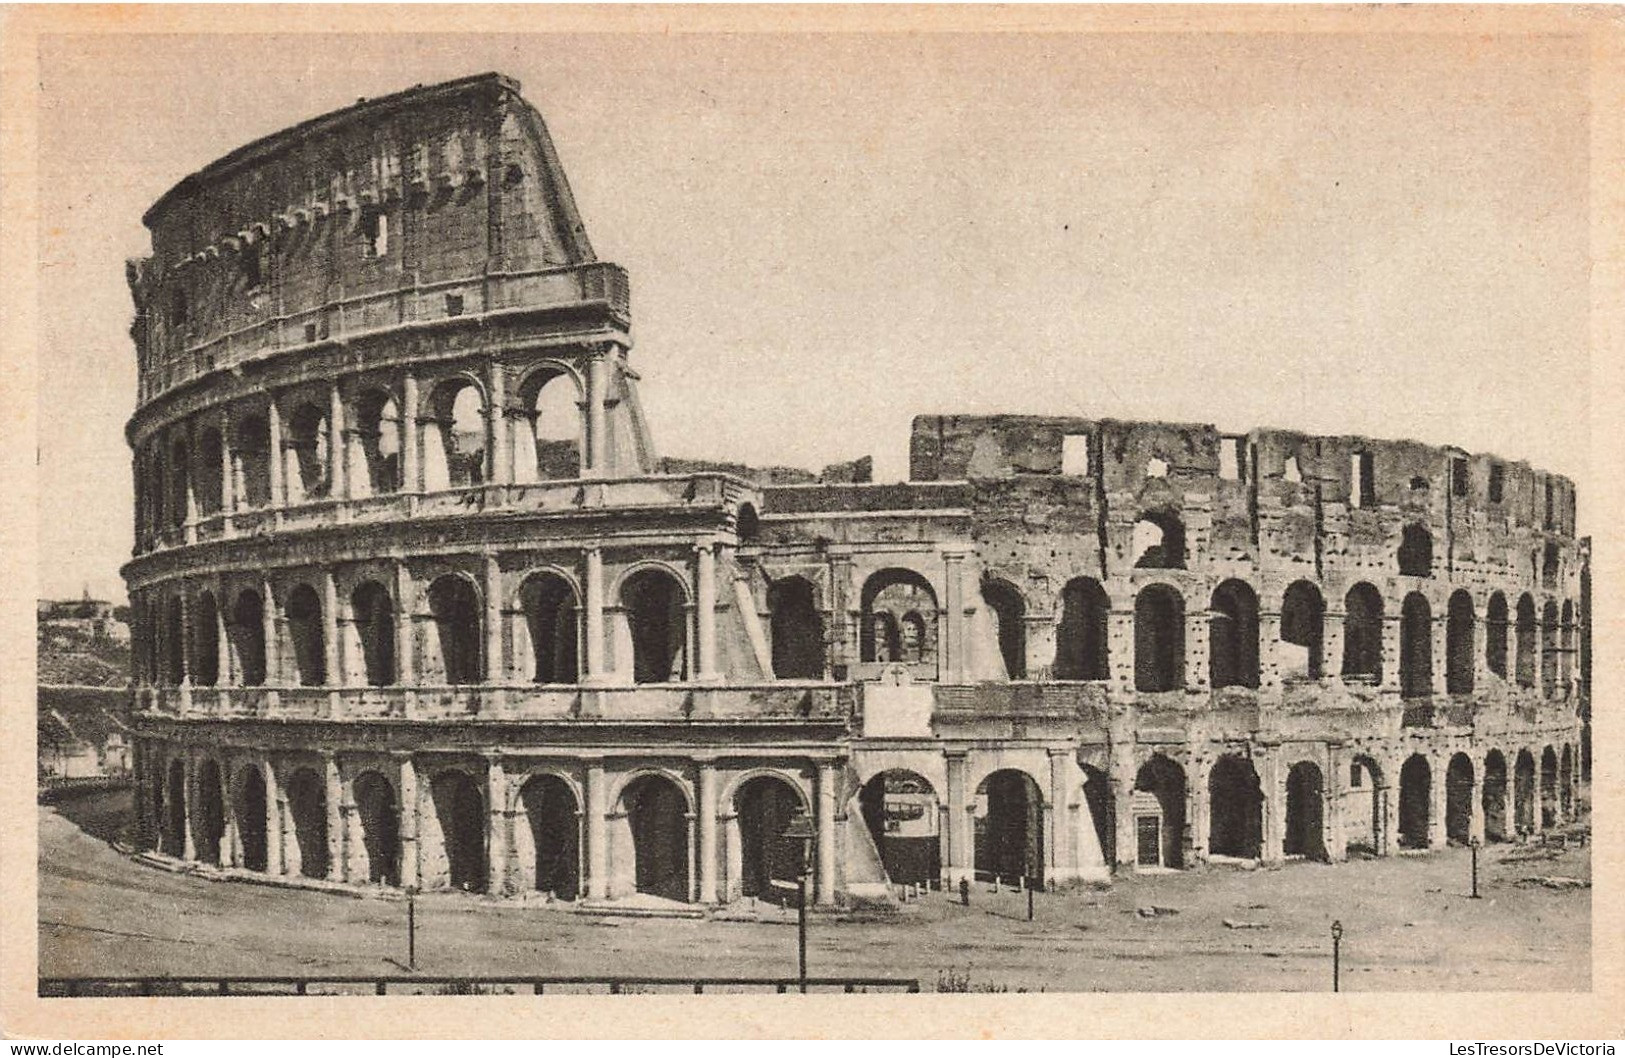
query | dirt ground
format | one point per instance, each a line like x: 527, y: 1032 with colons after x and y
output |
x: 1408, y: 926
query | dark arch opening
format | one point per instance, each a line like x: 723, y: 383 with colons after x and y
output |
x: 894, y: 594
x: 378, y: 431
x: 797, y: 629
x: 1416, y: 647
x: 551, y: 619
x: 655, y: 616
x: 553, y: 820
x: 1010, y: 827
x: 209, y: 813
x: 1009, y: 611
x: 1364, y: 824
x: 1526, y: 642
x: 1303, y: 619
x: 380, y: 828
x: 1415, y: 801
x: 747, y: 524
x: 770, y: 863
x: 1159, y: 541
x: 180, y: 483
x: 1548, y: 649
x: 1523, y: 791
x: 1548, y: 787
x: 455, y: 605
x: 1159, y: 813
x: 1305, y: 812
x: 1362, y: 634
x: 251, y: 818
x: 1495, y: 796
x: 1081, y: 640
x: 1235, y: 809
x: 307, y: 809
x: 1495, y: 634
x: 657, y: 814
x: 459, y: 808
x: 1233, y: 636
x: 901, y: 812
x: 1102, y: 804
x: 174, y: 642
x: 174, y: 830
x: 248, y: 637
x: 1416, y: 552
x: 251, y: 457
x: 210, y: 491
x: 1458, y: 673
x: 1565, y: 783
x: 307, y: 437
x: 373, y: 612
x: 305, y: 629
x: 206, y: 642
x: 1159, y: 639
x: 1458, y: 806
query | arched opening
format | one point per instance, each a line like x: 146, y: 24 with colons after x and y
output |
x: 311, y: 463
x: 1081, y: 641
x: 206, y: 642
x: 251, y: 461
x: 1458, y: 799
x: 770, y: 863
x: 174, y: 830
x: 1102, y: 807
x: 1009, y: 611
x: 1303, y: 618
x: 1458, y: 672
x: 1415, y: 801
x: 459, y: 813
x: 209, y: 813
x: 373, y: 613
x: 553, y: 829
x: 1495, y: 634
x: 1495, y: 796
x: 307, y: 810
x: 1550, y: 564
x: 1233, y: 636
x: 250, y: 810
x: 1159, y: 541
x: 797, y: 629
x: 1158, y: 807
x: 379, y: 819
x: 1548, y: 649
x: 900, y: 810
x: 657, y: 815
x: 1565, y: 784
x: 305, y: 629
x: 180, y: 483
x: 157, y: 819
x: 1526, y: 642
x: 1523, y: 791
x: 553, y: 405
x: 1235, y: 809
x: 552, y: 622
x: 1548, y: 787
x: 747, y: 525
x: 455, y: 606
x: 1416, y: 552
x: 174, y: 642
x: 1010, y: 827
x: 1305, y: 812
x: 1362, y: 634
x: 1416, y: 647
x: 210, y: 492
x: 896, y: 593
x: 656, y: 621
x: 378, y: 432
x: 248, y: 637
x: 1159, y: 639
x: 459, y: 460
x: 1565, y: 657
x: 1363, y: 813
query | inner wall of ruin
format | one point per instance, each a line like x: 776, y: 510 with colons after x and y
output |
x: 413, y: 604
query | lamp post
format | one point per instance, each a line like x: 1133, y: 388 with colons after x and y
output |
x: 412, y: 928
x: 1337, y: 954
x: 800, y: 829
x: 1475, y: 844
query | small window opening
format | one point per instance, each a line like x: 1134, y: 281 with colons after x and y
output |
x: 1075, y: 455
x: 1364, y: 492
x: 1497, y: 482
x: 454, y: 304
x: 1292, y: 472
x: 375, y: 229
x: 1419, y: 484
x: 1156, y: 467
x: 1230, y: 458
x: 1356, y: 774
x: 1550, y: 507
x: 1458, y: 476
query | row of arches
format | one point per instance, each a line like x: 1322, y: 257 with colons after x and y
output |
x: 298, y: 454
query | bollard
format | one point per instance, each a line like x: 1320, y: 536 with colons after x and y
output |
x: 996, y: 883
x: 1475, y: 868
x: 964, y: 891
x: 1337, y: 955
x: 411, y: 930
x: 1029, y: 901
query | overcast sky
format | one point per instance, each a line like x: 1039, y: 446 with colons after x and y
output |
x: 827, y: 235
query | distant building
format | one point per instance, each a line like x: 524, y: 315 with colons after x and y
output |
x: 84, y: 689
x: 92, y: 617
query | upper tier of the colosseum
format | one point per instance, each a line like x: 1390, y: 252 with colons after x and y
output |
x: 397, y: 212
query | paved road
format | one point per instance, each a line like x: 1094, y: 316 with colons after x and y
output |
x: 1409, y: 927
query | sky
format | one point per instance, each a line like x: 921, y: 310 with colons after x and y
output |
x: 829, y: 234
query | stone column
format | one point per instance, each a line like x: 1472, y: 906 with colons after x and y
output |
x: 951, y: 663
x: 225, y: 669
x: 1198, y: 810
x: 338, y: 481
x: 231, y: 841
x: 1475, y: 821
x: 332, y: 657
x: 1126, y: 851
x: 597, y: 449
x: 273, y: 454
x: 1332, y: 834
x: 188, y: 804
x: 961, y: 854
x: 1120, y: 650
x: 708, y: 832
x: 411, y: 476
x: 1440, y: 647
x: 1390, y: 647
x: 497, y: 424
x: 405, y: 662
x: 1273, y: 780
x: 1198, y: 627
x: 1438, y: 800
x: 276, y: 859
x: 1388, y: 793
x: 270, y: 631
x: 597, y: 834
x: 1062, y: 865
x: 705, y: 612
x: 496, y: 839
x: 408, y: 825
x: 824, y: 857
x: 1269, y: 652
x: 1331, y: 642
x: 335, y: 816
x: 494, y: 663
x: 594, y: 589
x: 228, y: 477
x: 733, y: 856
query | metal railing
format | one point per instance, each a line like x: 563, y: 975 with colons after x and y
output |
x: 425, y: 984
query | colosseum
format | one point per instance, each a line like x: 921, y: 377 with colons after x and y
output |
x: 417, y: 604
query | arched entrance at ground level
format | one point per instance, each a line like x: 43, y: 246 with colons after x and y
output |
x: 549, y: 842
x: 769, y: 862
x: 1305, y: 811
x: 157, y: 821
x: 174, y: 829
x: 900, y: 810
x: 1523, y: 791
x: 1494, y: 796
x: 1548, y: 787
x: 458, y: 858
x: 1415, y: 800
x: 1565, y: 783
x: 307, y: 811
x: 1158, y: 810
x: 1097, y: 795
x: 1010, y: 827
x: 1458, y: 799
x: 380, y: 830
x: 251, y: 818
x: 209, y: 813
x: 1363, y: 807
x: 1235, y: 809
x: 657, y: 819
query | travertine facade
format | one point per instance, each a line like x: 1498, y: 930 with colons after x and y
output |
x: 415, y: 605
